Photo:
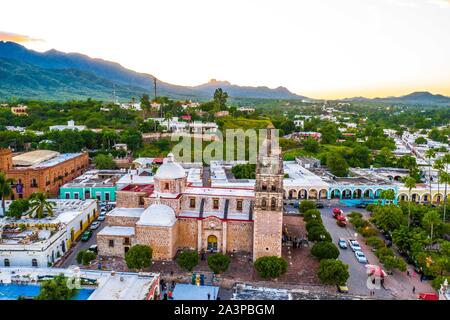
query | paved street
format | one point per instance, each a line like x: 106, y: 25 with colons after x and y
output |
x: 71, y: 259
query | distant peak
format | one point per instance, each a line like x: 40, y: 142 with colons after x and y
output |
x: 215, y: 81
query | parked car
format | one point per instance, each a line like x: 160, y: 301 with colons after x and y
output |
x: 342, y: 244
x: 360, y: 257
x: 319, y: 205
x: 101, y: 217
x: 354, y: 245
x: 342, y: 289
x: 361, y: 205
x: 428, y: 296
x: 295, y: 205
x: 94, y: 225
x: 86, y: 235
x: 93, y: 248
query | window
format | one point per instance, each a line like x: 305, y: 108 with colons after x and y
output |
x: 87, y: 194
x: 76, y: 195
x: 215, y: 204
x: 67, y: 195
x: 264, y: 186
x: 166, y: 186
x: 274, y: 187
x: 239, y: 205
x: 6, y: 263
x: 273, y: 204
x: 141, y: 200
x: 263, y: 203
x: 34, y: 263
x: 126, y: 241
x: 34, y: 183
x: 192, y: 203
x: 81, y: 225
x: 111, y: 243
x: 106, y: 196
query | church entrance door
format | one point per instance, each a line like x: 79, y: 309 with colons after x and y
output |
x: 212, y: 243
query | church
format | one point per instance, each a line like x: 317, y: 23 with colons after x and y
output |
x: 173, y: 215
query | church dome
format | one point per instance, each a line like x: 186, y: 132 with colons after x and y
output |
x: 170, y: 169
x: 159, y: 215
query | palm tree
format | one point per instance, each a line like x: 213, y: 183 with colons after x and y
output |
x: 431, y: 219
x: 5, y: 189
x: 410, y: 183
x: 439, y: 166
x: 446, y: 180
x: 39, y: 205
x: 430, y: 153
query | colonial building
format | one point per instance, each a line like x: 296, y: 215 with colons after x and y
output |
x: 173, y: 214
x: 41, y: 170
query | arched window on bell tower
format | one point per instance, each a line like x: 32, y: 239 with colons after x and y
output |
x: 263, y: 203
x: 273, y: 204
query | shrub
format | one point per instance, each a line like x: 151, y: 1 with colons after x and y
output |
x: 436, y: 283
x: 218, y: 262
x: 306, y: 205
x: 84, y: 257
x: 312, y: 224
x: 187, y: 260
x: 354, y: 214
x: 370, y: 207
x: 368, y: 232
x: 391, y: 262
x: 375, y: 242
x: 312, y: 214
x: 139, y: 257
x: 318, y: 233
x: 325, y: 250
x: 383, y: 251
x: 270, y: 267
x: 333, y: 271
x: 359, y: 222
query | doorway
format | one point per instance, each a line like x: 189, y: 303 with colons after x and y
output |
x: 212, y: 243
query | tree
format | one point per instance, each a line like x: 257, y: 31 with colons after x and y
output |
x: 188, y: 260
x: 270, y: 267
x: 430, y: 220
x: 410, y: 183
x: 244, y: 171
x: 420, y: 140
x: 18, y: 207
x: 325, y: 250
x: 103, y: 161
x: 84, y: 257
x: 145, y: 105
x: 311, y: 145
x: 333, y: 272
x: 306, y: 205
x: 337, y: 165
x: 139, y: 257
x: 439, y: 166
x: 220, y: 99
x: 218, y: 262
x: 133, y: 139
x: 5, y: 189
x: 388, y: 218
x: 56, y: 289
x: 391, y: 262
x: 329, y: 133
x: 318, y: 233
x: 39, y: 205
x: 430, y: 153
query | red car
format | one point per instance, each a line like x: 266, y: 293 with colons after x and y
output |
x: 337, y: 212
x: 428, y: 296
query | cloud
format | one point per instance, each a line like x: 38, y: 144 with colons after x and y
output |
x: 14, y: 37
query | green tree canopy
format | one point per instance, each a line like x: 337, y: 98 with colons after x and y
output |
x: 218, y: 262
x: 139, y: 257
x: 333, y: 271
x: 18, y: 207
x: 103, y: 161
x: 56, y: 289
x: 270, y: 267
x: 325, y: 250
x: 187, y: 260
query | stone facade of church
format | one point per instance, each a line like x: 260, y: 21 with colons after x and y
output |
x: 173, y: 215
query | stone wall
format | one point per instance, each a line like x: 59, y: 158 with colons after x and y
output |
x: 127, y: 199
x: 120, y: 221
x: 188, y: 233
x: 239, y: 236
x: 160, y: 239
x: 119, y: 248
x: 267, y: 233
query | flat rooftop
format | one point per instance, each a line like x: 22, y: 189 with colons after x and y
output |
x: 117, y: 231
x: 147, y: 188
x: 184, y: 291
x: 41, y: 160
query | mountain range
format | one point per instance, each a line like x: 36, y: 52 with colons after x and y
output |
x: 56, y: 75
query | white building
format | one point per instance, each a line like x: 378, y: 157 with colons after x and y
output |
x: 70, y: 126
x: 32, y: 242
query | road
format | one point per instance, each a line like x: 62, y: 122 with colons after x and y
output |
x: 71, y: 259
x: 357, y: 283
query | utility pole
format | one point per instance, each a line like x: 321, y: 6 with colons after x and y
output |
x: 154, y: 87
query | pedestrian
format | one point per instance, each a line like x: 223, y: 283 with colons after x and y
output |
x: 209, y: 296
x: 407, y: 273
x: 414, y: 290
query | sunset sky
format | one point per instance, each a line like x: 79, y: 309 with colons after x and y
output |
x: 317, y: 48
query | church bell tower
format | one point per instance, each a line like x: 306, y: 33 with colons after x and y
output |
x: 268, y: 207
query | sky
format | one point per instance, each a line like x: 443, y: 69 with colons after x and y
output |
x: 317, y: 48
